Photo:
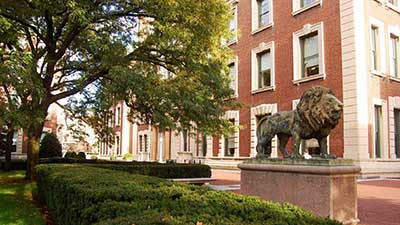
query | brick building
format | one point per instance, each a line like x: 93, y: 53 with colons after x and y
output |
x: 284, y: 47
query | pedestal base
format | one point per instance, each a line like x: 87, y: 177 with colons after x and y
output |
x: 326, y: 187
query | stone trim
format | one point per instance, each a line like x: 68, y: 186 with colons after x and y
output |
x: 307, y: 29
x: 261, y: 110
x: 221, y: 150
x: 355, y: 81
x: 384, y: 135
x: 254, y: 66
x: 394, y: 103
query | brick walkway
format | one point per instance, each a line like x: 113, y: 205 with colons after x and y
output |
x: 378, y: 200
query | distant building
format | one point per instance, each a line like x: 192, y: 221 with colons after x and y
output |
x: 283, y: 48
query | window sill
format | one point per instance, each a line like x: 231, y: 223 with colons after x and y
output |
x: 298, y: 11
x: 393, y: 7
x: 258, y: 30
x: 310, y: 78
x: 377, y: 73
x: 184, y: 153
x: 395, y: 79
x: 270, y: 88
x: 232, y: 42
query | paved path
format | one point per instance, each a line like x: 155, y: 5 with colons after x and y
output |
x: 378, y: 200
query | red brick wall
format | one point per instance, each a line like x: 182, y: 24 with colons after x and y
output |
x: 282, y: 34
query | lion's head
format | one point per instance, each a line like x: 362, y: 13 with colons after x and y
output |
x: 319, y: 108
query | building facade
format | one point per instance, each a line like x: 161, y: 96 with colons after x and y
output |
x: 282, y: 48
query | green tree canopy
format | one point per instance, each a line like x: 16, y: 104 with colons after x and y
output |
x: 56, y: 49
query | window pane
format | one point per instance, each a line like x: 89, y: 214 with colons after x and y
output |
x: 229, y: 143
x: 394, y: 63
x: 374, y: 40
x: 306, y: 3
x: 264, y: 65
x: 232, y: 76
x: 264, y: 12
x: 310, y: 55
x: 378, y: 130
x: 397, y: 131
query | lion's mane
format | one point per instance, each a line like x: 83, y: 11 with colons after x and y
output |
x: 316, y: 107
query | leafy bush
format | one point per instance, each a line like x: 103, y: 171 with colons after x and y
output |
x: 16, y: 164
x: 50, y: 146
x: 128, y: 157
x: 170, y: 170
x: 79, y: 194
x: 71, y: 155
x: 161, y: 170
x: 81, y: 155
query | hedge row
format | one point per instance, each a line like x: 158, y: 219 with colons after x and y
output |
x: 82, y: 194
x: 162, y: 170
x: 16, y: 164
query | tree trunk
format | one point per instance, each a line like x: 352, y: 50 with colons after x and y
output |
x: 33, y: 151
x: 9, y: 141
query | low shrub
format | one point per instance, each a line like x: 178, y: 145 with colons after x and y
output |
x: 16, y: 164
x: 162, y: 170
x: 81, y: 155
x: 71, y: 155
x: 50, y: 146
x: 128, y: 157
x: 80, y: 194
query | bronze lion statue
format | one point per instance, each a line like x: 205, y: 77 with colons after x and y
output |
x: 316, y: 114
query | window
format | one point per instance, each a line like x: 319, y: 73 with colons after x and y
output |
x: 117, y: 145
x: 258, y: 118
x: 305, y: 3
x: 394, y: 56
x: 263, y: 67
x: 204, y: 145
x: 230, y: 143
x: 140, y: 143
x: 378, y: 130
x: 377, y: 46
x: 232, y: 76
x: 261, y: 14
x: 186, y: 140
x: 145, y: 143
x: 374, y: 48
x: 308, y: 53
x: 233, y: 26
x: 118, y: 115
x: 394, y: 4
x: 397, y: 132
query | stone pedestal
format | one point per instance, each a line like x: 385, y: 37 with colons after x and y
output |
x: 326, y: 187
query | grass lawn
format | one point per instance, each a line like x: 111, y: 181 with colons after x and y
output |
x: 16, y: 205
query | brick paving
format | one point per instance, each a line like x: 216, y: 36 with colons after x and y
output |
x: 378, y: 200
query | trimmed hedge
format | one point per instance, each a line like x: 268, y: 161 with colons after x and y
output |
x: 16, y: 164
x: 162, y: 170
x: 81, y: 194
x: 50, y: 146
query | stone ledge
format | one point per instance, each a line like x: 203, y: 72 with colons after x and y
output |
x: 303, y: 162
x: 304, y: 169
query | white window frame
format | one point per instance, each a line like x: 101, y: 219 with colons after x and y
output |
x: 297, y: 55
x: 235, y: 61
x: 297, y: 9
x: 395, y: 31
x: 381, y: 70
x: 254, y: 67
x: 255, y: 17
x: 385, y: 128
x: 394, y: 103
x: 234, y: 39
x: 261, y: 110
x: 393, y: 6
x: 221, y: 153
